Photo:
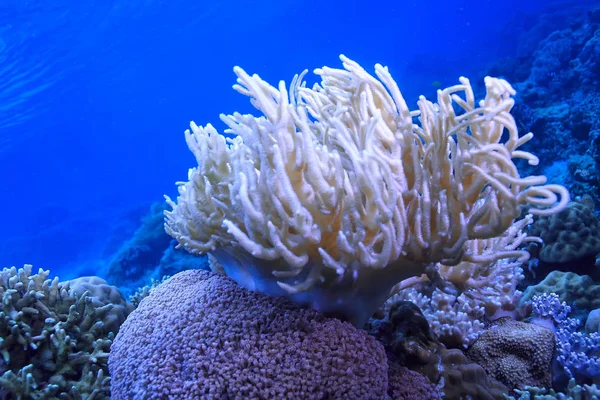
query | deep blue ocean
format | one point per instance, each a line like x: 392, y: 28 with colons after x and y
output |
x: 95, y: 95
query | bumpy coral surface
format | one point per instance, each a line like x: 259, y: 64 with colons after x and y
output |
x: 579, y: 291
x: 405, y: 384
x: 569, y: 235
x: 516, y: 353
x: 200, y: 336
x: 592, y: 323
x: 464, y: 379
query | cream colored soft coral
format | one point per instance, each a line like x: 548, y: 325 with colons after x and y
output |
x: 339, y: 191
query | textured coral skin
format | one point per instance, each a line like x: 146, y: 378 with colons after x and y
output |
x: 199, y: 335
x: 410, y: 385
x: 570, y: 235
x: 516, y: 353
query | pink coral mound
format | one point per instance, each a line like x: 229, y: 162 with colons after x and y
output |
x: 199, y: 335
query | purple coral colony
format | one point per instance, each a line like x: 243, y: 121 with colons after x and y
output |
x: 343, y: 243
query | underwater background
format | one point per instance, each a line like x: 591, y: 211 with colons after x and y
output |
x: 95, y: 96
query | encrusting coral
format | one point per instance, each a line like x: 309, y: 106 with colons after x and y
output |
x: 340, y: 191
x: 404, y: 384
x: 54, y: 338
x: 580, y: 291
x: 516, y: 353
x: 570, y: 235
x: 200, y: 335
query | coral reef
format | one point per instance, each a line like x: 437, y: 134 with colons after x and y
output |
x: 464, y: 379
x: 556, y: 79
x: 456, y: 319
x: 577, y: 353
x: 408, y: 340
x: 457, y: 300
x: 337, y: 198
x: 572, y: 392
x: 102, y: 294
x: 406, y: 334
x: 148, y: 255
x: 404, y: 384
x: 515, y: 353
x: 55, y: 339
x: 141, y: 293
x: 200, y: 334
x: 392, y: 240
x: 570, y: 236
x: 339, y: 192
x: 581, y: 292
x: 592, y: 323
x: 138, y: 257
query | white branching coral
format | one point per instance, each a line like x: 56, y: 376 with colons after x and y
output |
x: 457, y: 299
x: 339, y: 191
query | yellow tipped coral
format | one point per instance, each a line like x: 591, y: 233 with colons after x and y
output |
x: 339, y: 191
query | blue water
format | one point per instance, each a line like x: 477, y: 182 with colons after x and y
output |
x: 95, y: 95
